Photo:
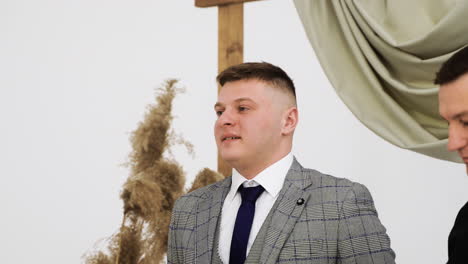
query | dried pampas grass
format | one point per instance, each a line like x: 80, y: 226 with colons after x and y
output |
x: 205, y: 177
x: 151, y: 189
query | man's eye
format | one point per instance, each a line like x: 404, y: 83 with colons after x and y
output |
x: 219, y: 113
x: 243, y: 108
x: 463, y: 123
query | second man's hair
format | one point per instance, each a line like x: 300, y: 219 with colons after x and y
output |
x: 453, y: 68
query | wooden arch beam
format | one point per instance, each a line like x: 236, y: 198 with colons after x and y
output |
x: 230, y: 42
x: 209, y: 3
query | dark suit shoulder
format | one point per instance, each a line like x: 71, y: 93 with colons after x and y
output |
x: 458, y: 238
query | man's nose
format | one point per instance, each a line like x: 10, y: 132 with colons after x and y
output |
x: 227, y: 118
x: 457, y: 139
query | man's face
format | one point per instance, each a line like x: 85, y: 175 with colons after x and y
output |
x: 248, y: 130
x: 453, y: 106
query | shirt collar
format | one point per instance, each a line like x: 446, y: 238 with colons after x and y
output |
x: 271, y: 178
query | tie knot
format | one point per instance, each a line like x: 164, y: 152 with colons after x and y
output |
x: 250, y: 194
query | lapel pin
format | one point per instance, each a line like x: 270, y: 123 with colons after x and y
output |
x: 300, y: 201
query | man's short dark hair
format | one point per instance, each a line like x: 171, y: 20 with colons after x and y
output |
x: 453, y: 68
x: 261, y: 71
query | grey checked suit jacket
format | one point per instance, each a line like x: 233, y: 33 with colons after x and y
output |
x: 337, y: 223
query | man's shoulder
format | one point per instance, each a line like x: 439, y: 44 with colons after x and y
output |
x: 323, y: 179
x: 203, y: 193
x: 331, y: 184
x: 328, y: 189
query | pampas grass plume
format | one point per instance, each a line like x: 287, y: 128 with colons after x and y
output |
x: 141, y: 197
x: 150, y: 139
x: 151, y: 189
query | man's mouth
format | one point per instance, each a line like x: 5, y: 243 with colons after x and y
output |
x: 229, y: 138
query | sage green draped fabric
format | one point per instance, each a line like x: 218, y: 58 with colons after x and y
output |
x: 381, y: 57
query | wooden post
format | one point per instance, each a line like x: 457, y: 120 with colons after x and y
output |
x: 230, y: 49
x: 230, y: 43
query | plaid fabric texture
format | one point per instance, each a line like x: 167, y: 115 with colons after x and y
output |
x: 337, y: 223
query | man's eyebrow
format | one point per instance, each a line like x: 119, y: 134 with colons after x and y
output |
x: 243, y: 99
x: 238, y: 100
x: 459, y: 115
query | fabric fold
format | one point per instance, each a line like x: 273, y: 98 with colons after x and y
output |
x: 381, y: 58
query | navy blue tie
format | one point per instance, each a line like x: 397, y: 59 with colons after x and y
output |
x: 244, y: 219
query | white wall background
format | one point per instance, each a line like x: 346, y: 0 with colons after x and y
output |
x: 75, y: 77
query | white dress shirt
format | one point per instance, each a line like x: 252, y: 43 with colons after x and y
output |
x: 271, y: 179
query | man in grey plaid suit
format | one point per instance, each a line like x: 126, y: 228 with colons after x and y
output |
x: 300, y: 216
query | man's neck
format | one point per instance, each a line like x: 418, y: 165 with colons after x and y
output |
x: 251, y: 171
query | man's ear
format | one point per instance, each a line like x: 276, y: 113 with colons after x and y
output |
x: 290, y: 119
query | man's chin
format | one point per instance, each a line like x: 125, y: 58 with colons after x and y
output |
x: 229, y: 157
x: 233, y: 159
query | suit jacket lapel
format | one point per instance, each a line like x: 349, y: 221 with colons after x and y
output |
x: 209, y: 212
x: 282, y: 217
